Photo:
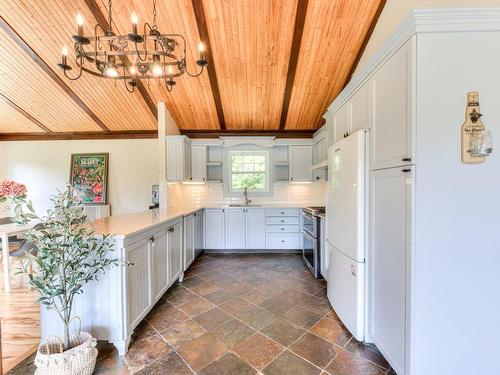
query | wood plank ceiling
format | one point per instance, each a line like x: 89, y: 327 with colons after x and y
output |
x: 275, y: 66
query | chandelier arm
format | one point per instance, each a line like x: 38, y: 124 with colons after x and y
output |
x: 138, y: 54
x: 79, y: 72
x: 196, y: 74
x: 98, y: 45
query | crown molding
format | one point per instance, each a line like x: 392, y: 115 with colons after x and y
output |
x: 419, y: 21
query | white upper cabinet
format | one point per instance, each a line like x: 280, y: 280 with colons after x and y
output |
x: 392, y: 99
x: 178, y: 154
x: 341, y: 123
x: 214, y: 228
x: 235, y: 228
x: 360, y: 109
x: 199, y: 162
x: 300, y: 163
x: 255, y: 228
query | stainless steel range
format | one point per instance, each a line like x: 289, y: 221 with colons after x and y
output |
x: 311, y: 238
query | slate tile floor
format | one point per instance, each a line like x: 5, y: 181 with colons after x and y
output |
x: 243, y: 314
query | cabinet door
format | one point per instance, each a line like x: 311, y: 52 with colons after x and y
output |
x: 214, y: 229
x: 199, y: 163
x: 256, y: 228
x: 300, y: 163
x: 198, y: 233
x: 360, y: 109
x: 176, y: 258
x: 391, y: 135
x: 159, y: 256
x: 235, y: 228
x: 189, y: 231
x: 187, y: 161
x: 324, y: 260
x: 390, y: 223
x: 138, y: 282
x: 341, y: 123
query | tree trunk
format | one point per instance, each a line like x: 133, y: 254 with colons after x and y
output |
x: 66, y: 336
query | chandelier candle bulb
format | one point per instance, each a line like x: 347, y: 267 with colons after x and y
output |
x: 64, y: 59
x: 134, y: 19
x: 79, y: 22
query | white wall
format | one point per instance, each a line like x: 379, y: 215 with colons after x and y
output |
x: 44, y: 167
x: 457, y: 233
x: 213, y: 193
x: 394, y: 12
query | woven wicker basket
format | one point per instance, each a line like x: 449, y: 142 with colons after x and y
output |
x: 51, y: 359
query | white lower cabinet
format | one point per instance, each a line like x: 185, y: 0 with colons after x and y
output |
x: 255, y: 237
x: 283, y: 229
x: 175, y: 253
x: 138, y: 282
x: 214, y: 228
x: 245, y: 228
x: 189, y: 240
x: 390, y: 222
x: 159, y: 263
x: 198, y: 233
x: 235, y: 228
x: 324, y: 253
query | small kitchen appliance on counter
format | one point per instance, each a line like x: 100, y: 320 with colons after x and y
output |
x: 311, y: 238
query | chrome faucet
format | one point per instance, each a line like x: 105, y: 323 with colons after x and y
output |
x: 245, y: 194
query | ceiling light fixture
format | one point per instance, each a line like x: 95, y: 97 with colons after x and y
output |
x: 154, y: 55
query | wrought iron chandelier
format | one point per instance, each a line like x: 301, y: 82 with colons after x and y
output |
x: 131, y: 57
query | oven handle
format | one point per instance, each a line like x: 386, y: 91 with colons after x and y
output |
x: 308, y: 235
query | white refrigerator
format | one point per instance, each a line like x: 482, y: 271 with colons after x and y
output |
x: 346, y: 230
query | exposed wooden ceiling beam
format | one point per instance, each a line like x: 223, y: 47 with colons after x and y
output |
x: 47, y: 69
x: 201, y: 22
x: 126, y: 134
x: 103, y: 21
x: 275, y: 133
x: 298, y: 30
x: 10, y: 103
x: 368, y: 35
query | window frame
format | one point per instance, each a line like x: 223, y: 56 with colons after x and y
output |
x: 267, y: 170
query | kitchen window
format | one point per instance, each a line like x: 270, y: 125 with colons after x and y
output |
x: 249, y: 169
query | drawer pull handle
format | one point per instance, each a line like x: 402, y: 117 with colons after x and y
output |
x: 282, y: 240
x: 407, y: 170
x: 282, y: 228
x: 406, y: 159
x: 282, y: 213
x: 282, y: 221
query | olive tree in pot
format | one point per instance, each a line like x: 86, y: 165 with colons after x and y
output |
x: 66, y: 255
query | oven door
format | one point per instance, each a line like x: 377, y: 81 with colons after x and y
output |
x: 310, y: 253
x: 309, y: 223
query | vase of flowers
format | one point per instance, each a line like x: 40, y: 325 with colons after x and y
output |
x: 67, y: 255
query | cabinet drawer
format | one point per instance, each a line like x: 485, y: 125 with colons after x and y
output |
x: 282, y: 212
x: 282, y: 228
x: 283, y: 241
x: 282, y: 220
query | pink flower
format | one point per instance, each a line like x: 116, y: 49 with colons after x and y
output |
x: 12, y: 189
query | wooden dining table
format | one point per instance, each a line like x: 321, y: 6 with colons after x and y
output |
x: 7, y: 230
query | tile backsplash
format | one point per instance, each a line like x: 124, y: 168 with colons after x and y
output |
x: 213, y: 193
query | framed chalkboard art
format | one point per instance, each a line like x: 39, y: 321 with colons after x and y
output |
x: 89, y: 177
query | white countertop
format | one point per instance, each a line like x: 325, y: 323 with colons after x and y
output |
x: 125, y: 225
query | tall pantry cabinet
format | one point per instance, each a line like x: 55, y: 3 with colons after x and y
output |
x: 431, y: 259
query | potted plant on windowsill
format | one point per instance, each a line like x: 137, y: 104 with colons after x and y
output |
x: 65, y: 256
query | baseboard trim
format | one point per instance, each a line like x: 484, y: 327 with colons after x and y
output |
x: 253, y: 251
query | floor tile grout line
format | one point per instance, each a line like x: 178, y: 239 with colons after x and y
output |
x: 281, y: 316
